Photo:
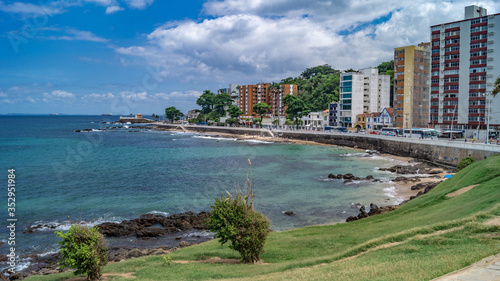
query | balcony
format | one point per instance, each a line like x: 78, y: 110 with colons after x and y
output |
x: 491, y: 42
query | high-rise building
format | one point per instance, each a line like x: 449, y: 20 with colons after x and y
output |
x: 263, y: 92
x: 464, y: 65
x: 364, y: 91
x: 411, y: 86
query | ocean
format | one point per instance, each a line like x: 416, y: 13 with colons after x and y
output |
x: 118, y: 174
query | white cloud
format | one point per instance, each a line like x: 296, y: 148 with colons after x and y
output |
x: 134, y: 96
x: 3, y: 95
x: 102, y: 2
x: 30, y: 99
x: 268, y: 40
x: 6, y: 101
x: 32, y: 9
x: 113, y: 9
x: 99, y: 97
x: 139, y: 4
x: 71, y: 34
x: 57, y: 95
x: 178, y: 95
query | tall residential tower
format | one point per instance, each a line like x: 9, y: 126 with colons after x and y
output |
x: 465, y: 62
x: 411, y: 86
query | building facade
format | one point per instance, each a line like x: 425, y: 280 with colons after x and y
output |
x: 248, y: 95
x: 361, y: 92
x: 411, y: 86
x: 333, y: 114
x: 464, y: 65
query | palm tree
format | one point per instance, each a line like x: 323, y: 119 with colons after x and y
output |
x: 497, y: 87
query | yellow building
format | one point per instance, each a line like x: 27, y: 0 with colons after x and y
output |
x: 411, y: 86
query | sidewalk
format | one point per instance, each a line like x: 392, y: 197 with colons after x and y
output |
x: 484, y: 270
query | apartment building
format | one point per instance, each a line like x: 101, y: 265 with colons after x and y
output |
x: 411, y: 86
x: 364, y: 91
x: 464, y: 65
x: 249, y: 95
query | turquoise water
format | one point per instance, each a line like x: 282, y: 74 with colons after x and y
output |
x: 115, y: 175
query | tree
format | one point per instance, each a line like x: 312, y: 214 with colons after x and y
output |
x: 231, y: 121
x: 83, y: 249
x: 221, y: 101
x: 261, y: 108
x: 320, y: 69
x: 497, y: 87
x: 173, y: 113
x: 234, y: 111
x: 296, y: 107
x: 206, y: 101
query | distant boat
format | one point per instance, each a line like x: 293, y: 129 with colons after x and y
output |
x: 54, y: 114
x: 107, y: 114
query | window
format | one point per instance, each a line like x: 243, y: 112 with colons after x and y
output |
x: 451, y: 72
x: 434, y: 103
x: 477, y: 54
x: 479, y: 45
x: 452, y: 56
x: 478, y: 69
x: 435, y: 51
x: 475, y: 21
x: 451, y: 87
x: 451, y: 79
x: 436, y: 58
x: 435, y: 43
x: 452, y: 64
x: 450, y: 49
x: 435, y: 88
x: 452, y: 41
x: 477, y: 102
x: 434, y: 66
x: 474, y: 62
x: 346, y: 89
x: 434, y: 81
x: 434, y: 36
x: 347, y: 84
x: 477, y: 78
x: 347, y: 77
x: 435, y: 28
x: 477, y: 86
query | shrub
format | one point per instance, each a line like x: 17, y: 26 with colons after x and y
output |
x: 83, y: 249
x: 235, y: 221
x: 465, y: 162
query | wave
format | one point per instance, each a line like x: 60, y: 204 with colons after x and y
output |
x: 391, y: 192
x: 44, y: 226
x: 159, y: 213
x: 214, y: 138
x: 257, y: 141
x: 202, y: 233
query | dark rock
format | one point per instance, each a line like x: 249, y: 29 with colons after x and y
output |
x: 332, y: 176
x: 374, y: 210
x: 348, y: 176
x: 77, y: 131
x: 289, y: 213
x: 369, y: 177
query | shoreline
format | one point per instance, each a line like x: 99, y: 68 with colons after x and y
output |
x: 402, y: 189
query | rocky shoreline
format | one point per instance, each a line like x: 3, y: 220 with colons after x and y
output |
x: 146, y: 227
x: 420, y: 168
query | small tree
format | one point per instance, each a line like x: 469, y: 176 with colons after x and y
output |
x: 83, y: 249
x: 296, y: 108
x: 172, y: 113
x: 232, y: 121
x: 261, y: 108
x: 235, y: 220
x: 466, y: 161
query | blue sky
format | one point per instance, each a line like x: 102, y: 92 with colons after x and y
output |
x: 140, y: 56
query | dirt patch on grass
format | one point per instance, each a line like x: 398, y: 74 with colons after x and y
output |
x: 461, y: 191
x: 494, y: 221
x: 210, y: 260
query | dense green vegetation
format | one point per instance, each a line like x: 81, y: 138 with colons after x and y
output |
x: 83, y: 248
x: 466, y: 161
x: 425, y: 238
x: 497, y: 87
x: 234, y: 220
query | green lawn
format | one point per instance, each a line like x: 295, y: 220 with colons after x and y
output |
x: 423, y: 239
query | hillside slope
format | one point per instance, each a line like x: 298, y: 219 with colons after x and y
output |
x: 423, y: 239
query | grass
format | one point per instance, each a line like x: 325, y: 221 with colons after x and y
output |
x: 423, y: 239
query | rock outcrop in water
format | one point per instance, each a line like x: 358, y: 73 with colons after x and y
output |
x: 151, y: 225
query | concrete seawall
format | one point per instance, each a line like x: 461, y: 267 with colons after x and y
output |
x: 441, y: 152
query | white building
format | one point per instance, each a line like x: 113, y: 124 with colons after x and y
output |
x: 465, y: 63
x: 316, y: 120
x: 361, y: 92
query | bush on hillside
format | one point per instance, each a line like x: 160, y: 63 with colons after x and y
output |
x: 465, y: 162
x: 83, y: 249
x: 234, y: 220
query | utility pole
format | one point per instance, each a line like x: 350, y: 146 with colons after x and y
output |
x: 487, y: 115
x: 453, y: 118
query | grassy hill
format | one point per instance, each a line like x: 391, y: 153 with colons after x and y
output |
x: 423, y: 239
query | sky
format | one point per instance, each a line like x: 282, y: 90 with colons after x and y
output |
x: 141, y: 56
